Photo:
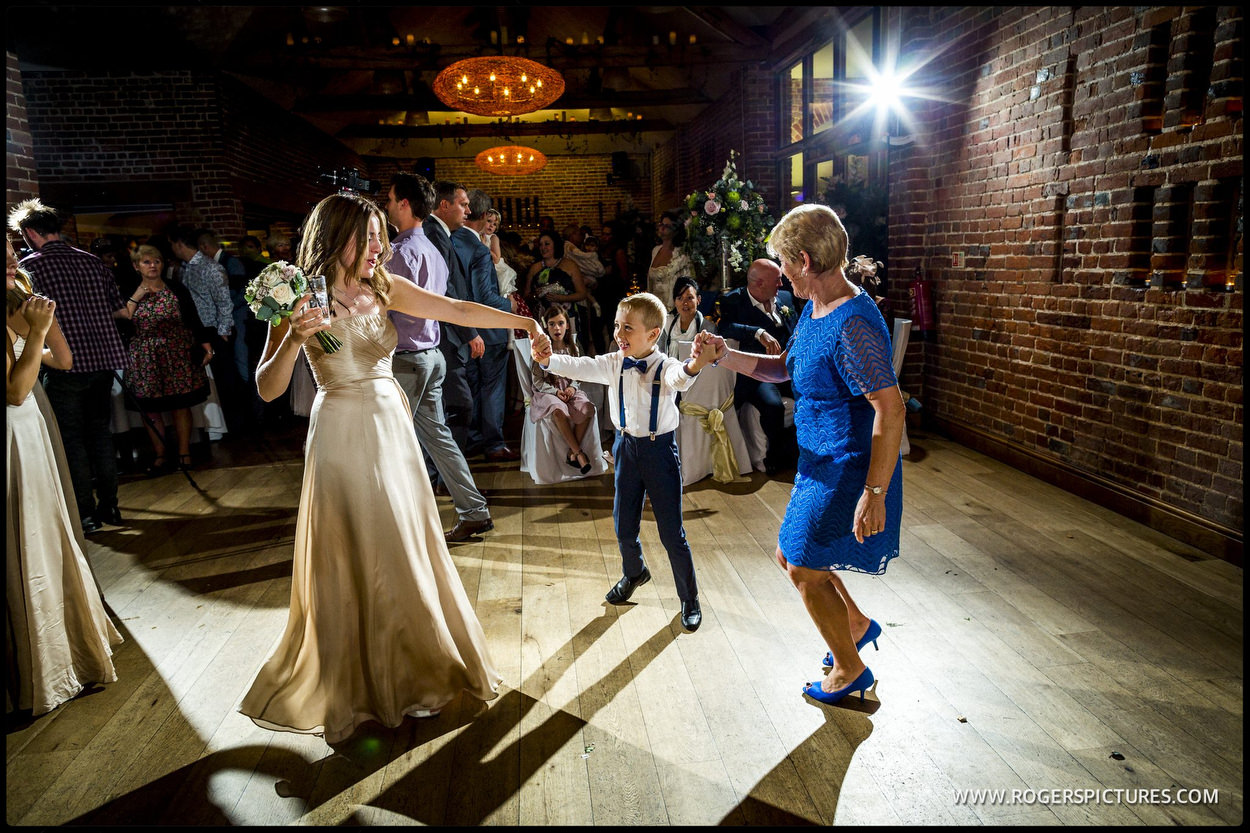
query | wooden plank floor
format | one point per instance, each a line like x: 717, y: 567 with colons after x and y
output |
x: 1032, y: 642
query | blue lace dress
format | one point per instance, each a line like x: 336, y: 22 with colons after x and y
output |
x: 833, y: 361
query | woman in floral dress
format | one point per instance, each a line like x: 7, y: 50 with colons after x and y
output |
x: 168, y: 354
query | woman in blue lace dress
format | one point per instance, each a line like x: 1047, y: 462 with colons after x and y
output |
x: 845, y: 509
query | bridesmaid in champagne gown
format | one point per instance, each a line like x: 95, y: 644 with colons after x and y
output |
x: 380, y: 625
x: 58, y: 634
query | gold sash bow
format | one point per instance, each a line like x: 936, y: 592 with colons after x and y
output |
x: 712, y: 420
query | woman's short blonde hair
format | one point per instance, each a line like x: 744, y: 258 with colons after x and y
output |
x: 148, y: 251
x: 814, y: 229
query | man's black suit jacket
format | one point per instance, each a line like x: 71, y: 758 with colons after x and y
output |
x: 739, y: 319
x: 457, y: 286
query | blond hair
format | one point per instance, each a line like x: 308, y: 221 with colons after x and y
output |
x: 649, y: 308
x: 814, y: 229
x: 337, y: 223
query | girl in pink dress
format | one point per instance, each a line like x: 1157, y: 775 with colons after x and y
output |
x: 561, y: 399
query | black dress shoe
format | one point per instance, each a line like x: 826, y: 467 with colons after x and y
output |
x: 625, y: 588
x: 691, y: 615
x: 90, y: 525
x: 111, y: 516
x: 463, y: 530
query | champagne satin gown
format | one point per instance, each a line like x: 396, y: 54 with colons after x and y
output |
x: 380, y: 625
x: 59, y: 636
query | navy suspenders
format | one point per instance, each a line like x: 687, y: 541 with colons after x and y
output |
x: 655, y: 398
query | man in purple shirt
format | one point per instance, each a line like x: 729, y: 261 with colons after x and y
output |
x: 86, y: 299
x: 419, y: 365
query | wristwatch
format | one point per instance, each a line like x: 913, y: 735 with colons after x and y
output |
x: 875, y: 490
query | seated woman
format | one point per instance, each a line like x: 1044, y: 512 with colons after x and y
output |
x: 561, y: 399
x: 168, y: 354
x: 684, y: 319
x: 60, y: 637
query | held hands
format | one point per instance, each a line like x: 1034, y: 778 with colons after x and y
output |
x: 306, y: 321
x: 38, y: 312
x: 540, y: 348
x: 706, y: 349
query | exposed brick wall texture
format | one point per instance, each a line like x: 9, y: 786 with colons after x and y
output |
x: 569, y: 188
x: 21, y: 181
x: 1090, y: 174
x: 117, y: 129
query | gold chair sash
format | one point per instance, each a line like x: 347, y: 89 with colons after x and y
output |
x: 712, y: 420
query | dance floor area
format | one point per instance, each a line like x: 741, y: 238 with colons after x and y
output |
x: 1043, y: 661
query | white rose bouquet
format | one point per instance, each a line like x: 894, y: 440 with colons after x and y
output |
x: 273, y: 293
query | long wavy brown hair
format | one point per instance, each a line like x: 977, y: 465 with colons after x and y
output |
x: 336, y: 224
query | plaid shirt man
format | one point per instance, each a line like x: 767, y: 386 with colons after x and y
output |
x: 86, y: 296
x: 206, y: 278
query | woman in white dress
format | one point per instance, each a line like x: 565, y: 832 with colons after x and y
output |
x: 668, y: 261
x: 380, y: 626
x: 59, y: 635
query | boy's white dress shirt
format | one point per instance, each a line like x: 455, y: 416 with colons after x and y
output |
x: 606, y: 370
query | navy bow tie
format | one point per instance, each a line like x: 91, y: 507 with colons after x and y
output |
x: 637, y: 364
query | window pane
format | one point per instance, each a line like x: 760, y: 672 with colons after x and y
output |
x: 824, y: 175
x: 792, y: 95
x: 796, y: 180
x: 822, y: 88
x: 859, y: 49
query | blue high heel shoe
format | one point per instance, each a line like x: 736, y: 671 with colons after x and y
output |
x: 870, y: 635
x: 861, y: 684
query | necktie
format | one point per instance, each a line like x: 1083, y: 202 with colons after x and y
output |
x: 635, y: 364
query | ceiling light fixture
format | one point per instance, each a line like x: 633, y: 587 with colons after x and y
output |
x: 510, y: 160
x: 498, y: 85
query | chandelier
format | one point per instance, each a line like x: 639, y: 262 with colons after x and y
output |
x: 498, y: 85
x: 510, y: 160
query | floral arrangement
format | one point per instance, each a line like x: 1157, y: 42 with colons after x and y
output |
x: 731, y: 213
x: 273, y: 293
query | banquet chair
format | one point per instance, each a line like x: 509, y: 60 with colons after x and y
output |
x: 542, y: 448
x: 899, y: 339
x: 709, y: 426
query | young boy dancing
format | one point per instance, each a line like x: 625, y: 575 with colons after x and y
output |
x: 642, y: 387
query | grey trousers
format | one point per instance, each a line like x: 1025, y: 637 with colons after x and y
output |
x: 421, y: 377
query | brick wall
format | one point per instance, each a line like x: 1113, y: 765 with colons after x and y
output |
x: 21, y: 180
x: 1089, y: 173
x: 132, y: 138
x: 570, y: 188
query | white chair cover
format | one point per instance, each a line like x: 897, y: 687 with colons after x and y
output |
x: 899, y: 339
x: 542, y: 448
x: 206, y: 417
x: 704, y: 404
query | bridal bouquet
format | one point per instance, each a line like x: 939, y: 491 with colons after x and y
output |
x: 273, y: 293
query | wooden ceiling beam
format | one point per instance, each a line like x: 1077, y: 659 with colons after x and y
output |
x: 504, y: 130
x: 630, y: 99
x: 559, y: 56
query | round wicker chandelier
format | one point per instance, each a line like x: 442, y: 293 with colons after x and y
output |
x: 498, y: 85
x: 510, y: 160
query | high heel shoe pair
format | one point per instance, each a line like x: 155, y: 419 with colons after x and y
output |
x: 870, y: 635
x: 572, y: 460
